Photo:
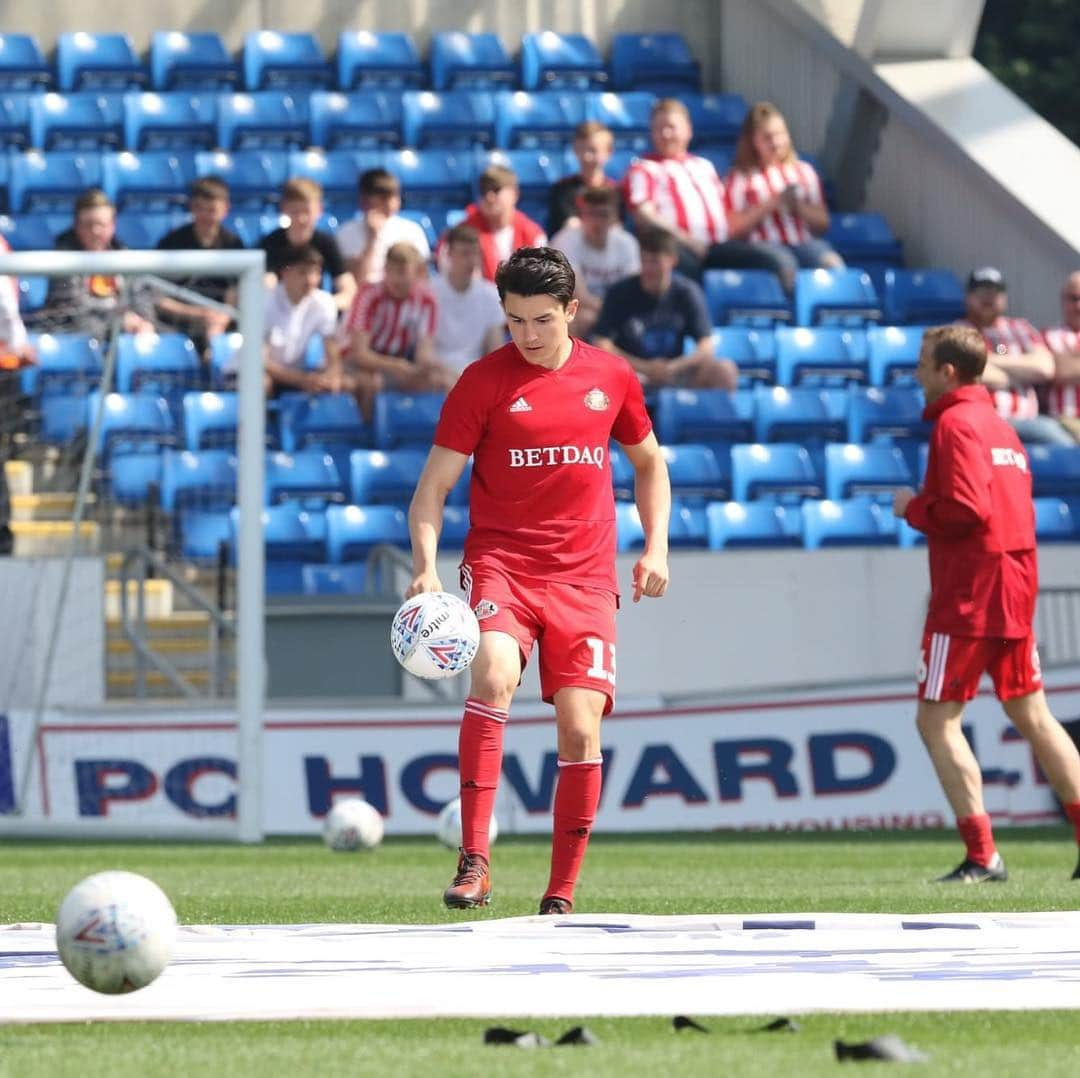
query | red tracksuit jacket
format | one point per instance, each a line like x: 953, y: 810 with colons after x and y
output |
x: 976, y: 512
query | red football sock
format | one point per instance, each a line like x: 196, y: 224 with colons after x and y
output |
x: 577, y: 796
x: 978, y: 837
x: 1073, y: 812
x: 480, y: 748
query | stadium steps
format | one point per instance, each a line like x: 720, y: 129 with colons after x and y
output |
x: 54, y: 505
x: 120, y: 684
x: 20, y: 477
x: 53, y: 538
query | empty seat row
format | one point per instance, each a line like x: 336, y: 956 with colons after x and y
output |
x: 660, y: 61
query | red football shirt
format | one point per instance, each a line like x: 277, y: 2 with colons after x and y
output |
x: 540, y: 499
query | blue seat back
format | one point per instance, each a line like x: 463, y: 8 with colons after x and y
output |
x: 308, y: 474
x: 695, y: 473
x: 783, y: 470
x: 97, y: 62
x: 50, y: 182
x: 1056, y: 521
x: 22, y: 65
x: 864, y: 469
x: 186, y: 60
x: 203, y: 480
x: 461, y: 61
x: 333, y: 579
x: 255, y: 177
x: 560, y: 61
x: 895, y: 411
x: 850, y: 522
x: 129, y: 420
x: 170, y: 121
x: 460, y: 119
x: 353, y: 530
x: 163, y: 363
x: 735, y: 525
x: 364, y: 119
x: 803, y: 413
x: 210, y: 419
x: 745, y: 297
x: 752, y: 350
x: 659, y: 62
x: 1055, y: 470
x: 820, y: 355
x: 529, y: 120
x: 267, y: 119
x: 702, y: 415
x: 274, y: 61
x: 371, y: 60
x: 154, y: 180
x: 863, y: 236
x: 835, y: 297
x: 406, y: 419
x: 626, y: 115
x: 87, y: 120
x: 922, y: 296
x: 893, y: 353
x: 325, y: 419
x: 380, y: 478
x: 431, y: 178
x: 717, y: 120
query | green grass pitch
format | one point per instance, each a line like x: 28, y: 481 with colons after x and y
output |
x: 300, y: 881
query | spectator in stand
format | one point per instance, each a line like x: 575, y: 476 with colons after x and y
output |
x: 680, y: 193
x: 209, y: 205
x: 89, y: 303
x: 389, y: 331
x: 775, y: 200
x: 470, y: 321
x: 600, y: 251
x: 1017, y: 361
x: 365, y: 239
x: 302, y: 204
x: 647, y: 319
x: 593, y: 147
x: 501, y: 226
x: 15, y: 348
x: 1064, y: 343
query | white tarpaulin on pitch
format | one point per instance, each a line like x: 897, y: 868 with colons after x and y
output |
x: 575, y: 966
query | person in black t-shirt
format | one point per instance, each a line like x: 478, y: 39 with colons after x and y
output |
x: 593, y: 146
x: 302, y: 204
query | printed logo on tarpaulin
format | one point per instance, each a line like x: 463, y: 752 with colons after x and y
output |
x: 596, y: 400
x: 485, y: 609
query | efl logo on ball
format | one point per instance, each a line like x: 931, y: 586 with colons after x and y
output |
x: 434, y: 635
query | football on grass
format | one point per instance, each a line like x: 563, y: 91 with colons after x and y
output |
x: 115, y: 932
x: 352, y: 824
x: 434, y: 635
x: 449, y: 826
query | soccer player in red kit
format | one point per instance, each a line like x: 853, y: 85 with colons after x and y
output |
x: 976, y: 512
x: 537, y: 416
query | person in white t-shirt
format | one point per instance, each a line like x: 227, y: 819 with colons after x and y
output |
x: 600, y: 251
x: 378, y: 226
x: 470, y: 322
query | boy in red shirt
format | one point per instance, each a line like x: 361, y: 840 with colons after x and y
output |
x: 539, y: 564
x: 976, y: 512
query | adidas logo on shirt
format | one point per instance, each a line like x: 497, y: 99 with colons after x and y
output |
x: 521, y: 405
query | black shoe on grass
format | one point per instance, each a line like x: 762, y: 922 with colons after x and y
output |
x: 970, y: 872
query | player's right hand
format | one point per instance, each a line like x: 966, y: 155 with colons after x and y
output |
x: 423, y: 582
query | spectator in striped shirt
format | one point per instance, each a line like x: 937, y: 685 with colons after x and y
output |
x: 775, y: 200
x: 389, y: 330
x: 1017, y: 361
x: 679, y: 193
x: 1064, y: 342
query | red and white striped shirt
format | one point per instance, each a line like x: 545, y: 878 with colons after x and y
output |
x: 1012, y: 337
x: 394, y: 326
x: 1064, y: 398
x: 748, y: 189
x: 686, y: 192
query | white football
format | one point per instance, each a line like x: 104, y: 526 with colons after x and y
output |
x: 434, y: 635
x: 352, y: 824
x: 449, y: 825
x: 115, y: 932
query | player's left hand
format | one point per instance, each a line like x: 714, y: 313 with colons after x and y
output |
x: 900, y: 501
x: 650, y: 576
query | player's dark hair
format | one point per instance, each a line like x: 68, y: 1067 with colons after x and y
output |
x: 655, y: 241
x: 304, y: 254
x: 962, y: 346
x: 536, y: 271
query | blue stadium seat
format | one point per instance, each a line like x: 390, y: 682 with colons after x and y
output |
x: 369, y: 60
x: 1056, y: 521
x: 63, y: 415
x: 80, y: 121
x: 223, y: 357
x: 254, y: 177
x: 864, y: 469
x: 926, y: 296
x: 293, y: 536
x: 379, y: 478
x: 893, y: 353
x: 129, y: 422
x: 203, y: 480
x: 364, y: 120
x: 687, y: 527
x: 166, y: 365
x: 309, y: 474
x: 822, y: 354
x: 97, y: 62
x: 154, y: 181
x: 143, y: 231
x: 203, y: 534
x: 851, y: 522
x: 629, y: 533
x: 627, y: 115
x: 835, y: 297
x: 460, y: 119
x: 353, y: 530
x: 22, y: 65
x: 703, y: 415
x: 461, y: 61
x: 32, y: 293
x: 717, y: 120
x: 455, y: 527
x: 182, y: 60
x: 551, y: 61
x: 895, y: 412
x: 1055, y: 470
x: 622, y: 472
x: 132, y: 475
x: 803, y: 414
x: 406, y: 419
x: 210, y: 419
x: 170, y: 121
x: 50, y: 182
x: 695, y: 473
x: 333, y: 579
x: 336, y: 171
x: 66, y: 363
x: 28, y: 232
x: 280, y: 61
x: 782, y: 470
x: 324, y: 419
x: 659, y: 62
x: 864, y: 237
x: 269, y: 119
x: 431, y: 178
x: 738, y: 525
x: 533, y: 119
x: 752, y: 350
x: 15, y: 121
x: 745, y: 297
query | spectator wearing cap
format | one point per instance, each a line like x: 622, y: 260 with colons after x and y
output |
x: 593, y: 146
x: 647, y: 319
x: 1018, y: 359
x: 1064, y: 343
x: 377, y: 226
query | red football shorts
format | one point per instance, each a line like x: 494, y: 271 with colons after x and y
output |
x: 950, y: 667
x: 574, y: 626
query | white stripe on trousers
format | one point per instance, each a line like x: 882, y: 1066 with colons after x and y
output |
x: 939, y: 656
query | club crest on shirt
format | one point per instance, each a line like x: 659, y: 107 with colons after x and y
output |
x: 596, y: 400
x: 484, y: 609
